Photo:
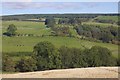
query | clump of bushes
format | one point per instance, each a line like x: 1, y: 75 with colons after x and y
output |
x: 26, y: 65
x: 11, y: 30
x: 105, y: 34
x: 8, y: 65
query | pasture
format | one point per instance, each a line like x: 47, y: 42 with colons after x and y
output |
x: 113, y: 18
x: 23, y: 45
x: 26, y: 27
x: 24, y: 24
x: 100, y: 24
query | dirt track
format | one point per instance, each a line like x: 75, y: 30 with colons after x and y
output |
x: 97, y: 72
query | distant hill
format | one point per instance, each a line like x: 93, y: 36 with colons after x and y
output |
x: 37, y: 16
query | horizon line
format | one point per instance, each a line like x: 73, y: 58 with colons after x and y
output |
x: 56, y: 13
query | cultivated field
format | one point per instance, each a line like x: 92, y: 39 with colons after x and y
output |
x: 96, y: 72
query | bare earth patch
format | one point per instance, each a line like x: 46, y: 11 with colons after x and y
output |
x: 93, y: 72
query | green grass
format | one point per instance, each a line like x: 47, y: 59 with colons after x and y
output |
x: 23, y: 46
x: 73, y: 32
x: 26, y: 27
x: 10, y: 44
x: 24, y: 24
x: 40, y: 32
x: 113, y: 18
x: 45, y: 31
x: 100, y: 24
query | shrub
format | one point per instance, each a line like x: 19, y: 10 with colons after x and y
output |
x: 99, y: 56
x: 11, y: 30
x: 26, y: 65
x: 8, y: 64
x: 46, y: 55
x: 71, y: 57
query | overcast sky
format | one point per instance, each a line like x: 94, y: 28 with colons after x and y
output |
x: 37, y: 7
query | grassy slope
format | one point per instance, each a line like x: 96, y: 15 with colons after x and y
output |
x: 25, y: 44
x: 113, y: 18
x: 100, y: 24
x: 23, y: 24
x: 36, y: 28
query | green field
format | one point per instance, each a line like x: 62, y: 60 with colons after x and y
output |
x: 24, y: 24
x: 100, y: 24
x: 25, y: 27
x: 13, y: 45
x: 113, y: 18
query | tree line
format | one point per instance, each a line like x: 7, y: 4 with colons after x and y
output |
x: 105, y: 34
x: 46, y: 56
x: 34, y: 16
